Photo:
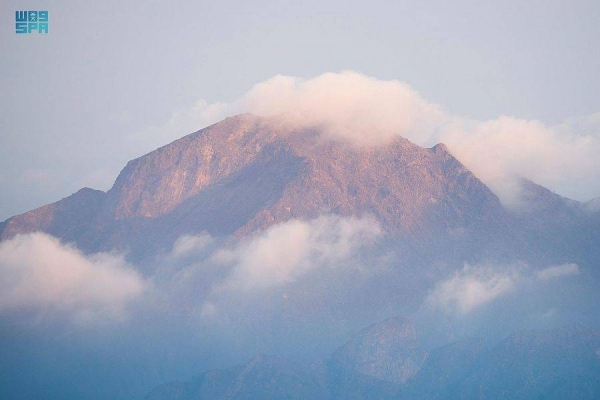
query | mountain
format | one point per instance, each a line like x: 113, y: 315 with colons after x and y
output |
x: 562, y: 227
x: 388, y: 351
x: 247, y: 173
x: 593, y: 205
x: 557, y: 364
x: 445, y: 368
x: 67, y: 219
x: 343, y: 376
x: 553, y: 364
x: 263, y: 377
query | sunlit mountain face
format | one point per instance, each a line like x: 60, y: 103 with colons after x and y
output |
x: 256, y: 259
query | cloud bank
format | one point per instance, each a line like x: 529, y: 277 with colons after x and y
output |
x: 368, y: 111
x: 39, y: 273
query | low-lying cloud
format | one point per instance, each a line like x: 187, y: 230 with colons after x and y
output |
x: 368, y: 111
x: 39, y: 273
x: 474, y: 286
x: 287, y: 251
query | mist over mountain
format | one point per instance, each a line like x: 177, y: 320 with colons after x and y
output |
x: 259, y: 236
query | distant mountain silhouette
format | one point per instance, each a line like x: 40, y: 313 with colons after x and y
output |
x: 556, y: 364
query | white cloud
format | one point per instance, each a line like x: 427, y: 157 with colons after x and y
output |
x: 472, y: 287
x: 558, y: 271
x: 369, y: 111
x: 287, y: 251
x: 499, y: 150
x: 190, y: 244
x: 39, y: 273
x: 347, y: 105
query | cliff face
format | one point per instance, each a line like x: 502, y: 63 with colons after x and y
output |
x: 247, y: 173
x: 403, y: 185
x: 155, y: 184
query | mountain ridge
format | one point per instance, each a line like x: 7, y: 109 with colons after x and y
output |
x: 215, y: 171
x: 247, y: 173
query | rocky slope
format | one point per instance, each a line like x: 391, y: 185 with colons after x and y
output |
x: 247, y: 173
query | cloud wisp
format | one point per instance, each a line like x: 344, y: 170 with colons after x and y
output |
x: 39, y: 273
x: 558, y: 271
x: 474, y: 286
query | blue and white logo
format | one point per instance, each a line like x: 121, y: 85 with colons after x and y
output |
x: 31, y: 21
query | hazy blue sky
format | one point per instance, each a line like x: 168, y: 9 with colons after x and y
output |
x: 110, y: 69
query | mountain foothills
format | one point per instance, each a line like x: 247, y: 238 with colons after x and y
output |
x: 304, y: 240
x: 247, y: 173
x: 385, y: 361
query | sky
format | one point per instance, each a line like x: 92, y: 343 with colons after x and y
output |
x: 109, y: 81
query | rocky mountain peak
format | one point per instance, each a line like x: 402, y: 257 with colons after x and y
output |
x: 247, y: 173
